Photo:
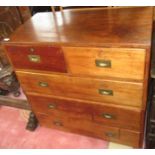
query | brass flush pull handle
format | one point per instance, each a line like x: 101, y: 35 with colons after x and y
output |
x: 52, y: 106
x: 58, y: 123
x: 107, y: 116
x: 43, y: 84
x: 110, y: 134
x: 105, y: 92
x: 34, y: 58
x: 103, y: 63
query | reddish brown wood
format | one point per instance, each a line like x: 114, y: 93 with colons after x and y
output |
x: 82, y: 124
x: 125, y: 63
x: 123, y: 136
x: 41, y: 104
x: 70, y: 79
x: 83, y: 88
x: 125, y: 27
x: 51, y: 58
x: 131, y: 138
x: 121, y: 116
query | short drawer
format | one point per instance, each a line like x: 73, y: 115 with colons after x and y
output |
x: 118, y: 116
x: 106, y: 62
x: 123, y: 93
x: 124, y: 117
x: 47, y: 103
x: 46, y: 58
x: 60, y: 108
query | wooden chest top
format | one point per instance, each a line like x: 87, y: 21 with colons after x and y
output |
x: 124, y: 27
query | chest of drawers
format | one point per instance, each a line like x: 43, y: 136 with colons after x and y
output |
x: 86, y: 71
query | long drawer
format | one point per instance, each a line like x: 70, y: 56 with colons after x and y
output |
x: 126, y: 63
x: 89, y: 128
x: 37, y: 57
x: 119, y: 93
x: 129, y: 118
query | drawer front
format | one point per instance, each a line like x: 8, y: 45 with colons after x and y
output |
x: 106, y: 62
x: 128, y: 118
x: 102, y: 114
x: 48, y: 104
x: 93, y: 129
x: 115, y: 92
x: 46, y: 58
x: 58, y: 108
x: 122, y: 136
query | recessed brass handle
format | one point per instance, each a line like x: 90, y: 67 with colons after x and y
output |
x: 103, y: 63
x: 34, y: 58
x: 43, y: 84
x: 58, y: 123
x: 107, y: 116
x: 52, y: 106
x: 105, y: 92
x: 110, y: 134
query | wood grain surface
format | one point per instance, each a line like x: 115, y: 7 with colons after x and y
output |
x: 98, y: 112
x: 125, y: 27
x: 125, y: 63
x: 83, y: 88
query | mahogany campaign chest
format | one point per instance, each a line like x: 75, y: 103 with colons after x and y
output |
x: 86, y: 71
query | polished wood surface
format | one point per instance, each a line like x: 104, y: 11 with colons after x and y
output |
x: 112, y: 115
x: 83, y: 88
x: 125, y: 63
x: 131, y: 138
x: 50, y: 58
x: 127, y: 137
x: 80, y: 125
x: 125, y: 27
x: 121, y: 117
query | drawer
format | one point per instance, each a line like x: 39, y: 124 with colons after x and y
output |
x: 45, y: 103
x: 124, y: 117
x: 80, y: 126
x: 123, y: 93
x: 58, y: 107
x: 117, y: 116
x: 106, y: 62
x: 46, y: 58
x: 122, y: 136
